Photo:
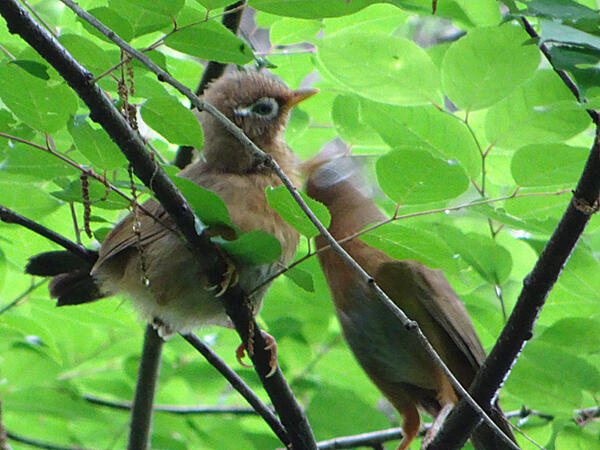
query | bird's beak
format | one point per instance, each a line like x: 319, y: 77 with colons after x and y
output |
x: 299, y: 95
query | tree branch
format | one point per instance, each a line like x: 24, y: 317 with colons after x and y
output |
x: 147, y: 379
x: 239, y: 385
x: 9, y: 216
x: 207, y: 254
x: 536, y: 286
x: 175, y: 409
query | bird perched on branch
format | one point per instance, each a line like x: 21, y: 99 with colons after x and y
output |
x: 142, y: 258
x: 388, y: 352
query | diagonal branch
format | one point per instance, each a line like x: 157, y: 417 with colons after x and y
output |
x: 536, y: 287
x: 145, y: 388
x: 207, y: 253
x: 268, y: 162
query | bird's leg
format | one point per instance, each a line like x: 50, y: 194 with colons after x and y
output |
x: 436, y: 425
x: 271, y: 346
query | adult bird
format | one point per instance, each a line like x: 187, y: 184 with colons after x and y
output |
x: 390, y: 354
x: 147, y: 261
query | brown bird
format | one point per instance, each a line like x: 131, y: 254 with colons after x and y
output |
x: 162, y: 279
x: 391, y: 355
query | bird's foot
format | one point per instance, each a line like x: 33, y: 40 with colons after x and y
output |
x: 436, y: 425
x: 271, y: 346
x: 230, y: 278
x: 164, y: 331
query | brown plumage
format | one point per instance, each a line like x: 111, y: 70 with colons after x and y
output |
x: 389, y: 354
x: 174, y: 292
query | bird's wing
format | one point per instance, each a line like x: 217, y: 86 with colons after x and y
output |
x: 151, y: 227
x: 439, y: 299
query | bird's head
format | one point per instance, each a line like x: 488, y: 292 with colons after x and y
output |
x: 255, y: 102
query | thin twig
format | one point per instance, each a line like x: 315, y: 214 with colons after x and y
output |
x: 40, y: 18
x: 9, y: 216
x: 239, y: 385
x: 175, y: 409
x: 90, y: 173
x: 22, y: 296
x: 310, y: 254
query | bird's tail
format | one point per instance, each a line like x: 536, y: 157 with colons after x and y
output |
x: 484, y: 438
x: 71, y: 282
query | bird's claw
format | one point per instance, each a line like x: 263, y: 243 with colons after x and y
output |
x: 230, y: 278
x: 271, y: 346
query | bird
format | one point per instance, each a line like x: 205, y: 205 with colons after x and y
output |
x: 145, y: 259
x: 390, y: 354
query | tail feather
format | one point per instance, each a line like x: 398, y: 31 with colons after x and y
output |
x: 72, y: 283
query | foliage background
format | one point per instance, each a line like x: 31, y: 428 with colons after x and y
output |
x: 514, y: 125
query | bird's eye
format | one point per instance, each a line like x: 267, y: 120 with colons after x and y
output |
x: 265, y: 107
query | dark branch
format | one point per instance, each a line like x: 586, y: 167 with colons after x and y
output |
x: 212, y: 71
x: 9, y: 216
x: 207, y: 254
x: 173, y: 409
x: 239, y: 385
x: 536, y: 286
x: 147, y: 380
x: 39, y: 444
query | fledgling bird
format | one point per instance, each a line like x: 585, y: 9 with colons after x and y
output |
x: 163, y: 279
x: 391, y: 355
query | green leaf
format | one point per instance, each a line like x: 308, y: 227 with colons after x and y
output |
x: 99, y: 196
x: 294, y: 31
x: 282, y: 201
x: 207, y: 205
x: 254, y: 247
x: 33, y: 67
x: 93, y: 57
x: 147, y: 16
x: 426, y: 128
x: 400, y: 241
x: 481, y: 13
x: 302, y: 278
x: 415, y: 176
x: 113, y: 20
x: 383, y: 68
x: 95, y: 145
x: 212, y: 41
x: 310, y: 9
x: 540, y: 376
x: 489, y: 259
x: 41, y: 105
x: 578, y: 334
x: 346, y: 115
x: 166, y: 7
x: 214, y: 4
x: 555, y: 32
x: 486, y: 65
x: 563, y: 11
x: 173, y: 121
x: 542, y: 110
x: 548, y: 165
x: 23, y: 159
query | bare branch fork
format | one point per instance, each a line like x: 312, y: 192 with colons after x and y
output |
x: 206, y: 252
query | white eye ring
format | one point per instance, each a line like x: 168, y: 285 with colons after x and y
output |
x: 264, y: 108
